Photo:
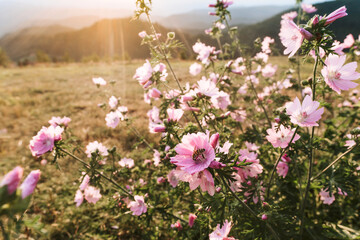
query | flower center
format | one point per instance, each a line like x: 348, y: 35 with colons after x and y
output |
x: 301, y: 117
x: 198, y: 155
x: 334, y: 75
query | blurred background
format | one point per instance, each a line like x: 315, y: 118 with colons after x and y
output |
x: 90, y: 30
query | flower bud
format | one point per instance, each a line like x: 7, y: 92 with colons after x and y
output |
x: 214, y: 139
x: 307, y: 35
x: 171, y: 35
x: 264, y: 217
x: 29, y: 184
x: 12, y: 179
x: 339, y: 13
x: 192, y: 218
x: 315, y: 21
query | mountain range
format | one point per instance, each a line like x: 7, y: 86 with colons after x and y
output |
x: 118, y: 37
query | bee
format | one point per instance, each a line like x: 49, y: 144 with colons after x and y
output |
x: 197, y: 153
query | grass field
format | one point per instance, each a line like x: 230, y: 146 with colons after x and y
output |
x: 30, y: 96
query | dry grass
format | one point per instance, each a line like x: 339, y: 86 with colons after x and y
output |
x: 30, y: 96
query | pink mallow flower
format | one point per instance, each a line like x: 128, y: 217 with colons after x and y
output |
x: 92, y: 147
x: 138, y: 206
x: 339, y: 76
x: 99, y: 81
x: 29, y: 184
x: 282, y: 169
x: 291, y: 37
x: 79, y: 198
x: 221, y: 233
x: 308, y: 8
x: 126, y: 162
x: 194, y: 153
x: 280, y: 137
x: 174, y: 114
x: 176, y: 225
x: 173, y: 177
x: 195, y: 69
x: 305, y: 114
x: 113, y: 102
x: 58, y: 121
x: 338, y: 13
x: 44, y: 140
x: 192, y: 218
x: 92, y: 194
x: 154, y: 93
x: 269, y: 70
x: 203, y: 179
x: 325, y: 197
x: 12, y: 179
x: 252, y: 170
x: 221, y: 100
x: 207, y: 88
x: 85, y: 183
x: 143, y: 74
x: 349, y: 41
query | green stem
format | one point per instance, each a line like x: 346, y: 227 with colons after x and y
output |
x: 334, y: 162
x: 312, y: 153
x: 249, y: 209
x: 102, y: 175
x: 171, y: 69
x: 278, y: 160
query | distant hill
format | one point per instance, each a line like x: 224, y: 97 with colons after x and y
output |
x: 108, y: 37
x: 342, y: 27
x: 76, y: 22
x: 200, y: 19
x: 18, y: 14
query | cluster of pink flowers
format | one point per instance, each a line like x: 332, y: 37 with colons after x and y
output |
x: 146, y: 75
x: 327, y: 199
x: 94, y: 147
x: 195, y: 154
x: 45, y: 140
x: 91, y: 194
x: 126, y: 162
x: 292, y: 36
x: 59, y: 121
x: 206, y: 54
x: 12, y: 179
x: 113, y: 118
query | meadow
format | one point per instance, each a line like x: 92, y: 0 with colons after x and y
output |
x: 30, y: 96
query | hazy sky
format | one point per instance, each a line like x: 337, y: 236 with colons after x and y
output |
x: 160, y: 7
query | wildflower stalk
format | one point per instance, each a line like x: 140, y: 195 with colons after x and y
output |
x: 298, y: 66
x: 102, y: 175
x: 312, y: 151
x: 171, y: 69
x: 257, y: 96
x: 249, y: 209
x: 278, y: 160
x: 333, y: 162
